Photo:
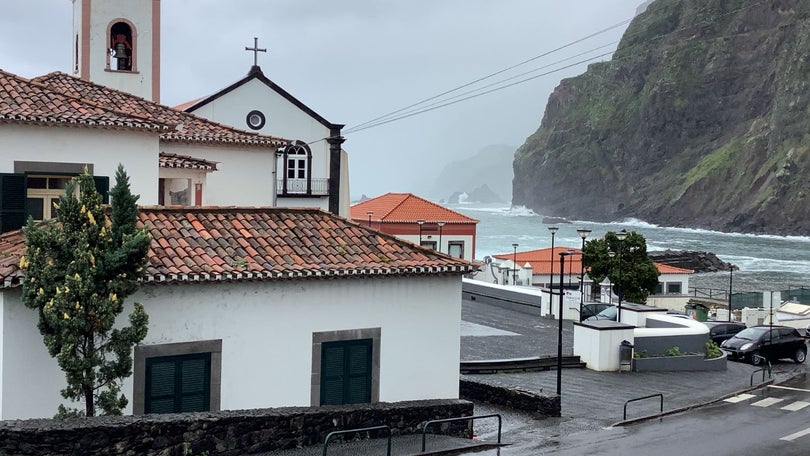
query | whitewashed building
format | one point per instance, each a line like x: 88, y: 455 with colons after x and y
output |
x: 262, y: 308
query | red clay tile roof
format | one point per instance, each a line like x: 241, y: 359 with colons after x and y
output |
x: 540, y: 260
x: 406, y: 207
x: 190, y: 128
x: 167, y: 160
x: 212, y: 244
x: 24, y: 101
x: 668, y: 269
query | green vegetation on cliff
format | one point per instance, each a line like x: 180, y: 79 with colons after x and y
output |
x: 702, y: 118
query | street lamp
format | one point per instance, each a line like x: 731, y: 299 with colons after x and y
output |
x: 420, y: 222
x: 560, y: 322
x: 583, y: 233
x: 553, y: 231
x: 441, y: 224
x: 514, y: 260
x: 730, y: 279
x: 621, y: 236
x: 369, y: 213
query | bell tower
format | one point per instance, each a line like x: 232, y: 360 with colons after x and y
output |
x: 117, y: 44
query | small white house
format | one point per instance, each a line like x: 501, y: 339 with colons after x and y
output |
x: 261, y: 307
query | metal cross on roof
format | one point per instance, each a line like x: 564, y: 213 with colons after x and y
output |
x: 255, y: 50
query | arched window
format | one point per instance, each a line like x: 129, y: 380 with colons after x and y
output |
x: 121, y: 52
x: 297, y: 163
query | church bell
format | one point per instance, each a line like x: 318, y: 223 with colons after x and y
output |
x: 121, y: 51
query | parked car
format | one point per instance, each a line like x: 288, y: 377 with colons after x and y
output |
x: 722, y: 330
x: 608, y: 313
x: 768, y: 342
x: 592, y: 308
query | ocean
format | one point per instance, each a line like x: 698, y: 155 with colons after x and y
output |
x: 765, y: 262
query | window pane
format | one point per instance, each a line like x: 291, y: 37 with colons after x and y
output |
x: 36, y: 208
x: 58, y: 183
x: 301, y: 174
x: 37, y: 182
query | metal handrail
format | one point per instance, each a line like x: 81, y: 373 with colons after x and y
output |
x: 624, y: 418
x: 462, y: 418
x: 347, y: 431
x: 762, y: 369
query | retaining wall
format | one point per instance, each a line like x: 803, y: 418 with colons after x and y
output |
x: 510, y: 397
x: 228, y: 433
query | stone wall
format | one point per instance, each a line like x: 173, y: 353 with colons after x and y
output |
x: 228, y: 433
x: 510, y: 397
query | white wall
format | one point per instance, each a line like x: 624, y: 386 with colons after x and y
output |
x: 245, y: 175
x: 266, y: 330
x: 31, y: 378
x: 445, y: 244
x: 105, y: 149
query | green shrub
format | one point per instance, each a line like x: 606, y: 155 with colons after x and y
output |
x: 712, y: 350
x: 674, y: 351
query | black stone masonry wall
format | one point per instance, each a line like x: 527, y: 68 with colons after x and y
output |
x: 227, y: 433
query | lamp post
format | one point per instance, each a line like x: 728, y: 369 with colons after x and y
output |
x: 730, y: 279
x: 514, y: 261
x: 621, y: 236
x: 369, y: 213
x: 560, y: 322
x: 553, y: 231
x: 420, y: 222
x: 583, y: 233
x: 441, y: 224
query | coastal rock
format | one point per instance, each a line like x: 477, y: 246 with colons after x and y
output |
x: 696, y: 261
x: 688, y: 125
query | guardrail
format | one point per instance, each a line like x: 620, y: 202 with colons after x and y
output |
x: 462, y: 418
x: 375, y: 428
x: 659, y: 395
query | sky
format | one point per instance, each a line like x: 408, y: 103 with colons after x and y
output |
x: 353, y: 61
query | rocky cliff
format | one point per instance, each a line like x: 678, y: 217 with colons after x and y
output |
x: 701, y: 119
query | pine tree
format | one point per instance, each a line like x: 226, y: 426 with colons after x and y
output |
x: 78, y: 271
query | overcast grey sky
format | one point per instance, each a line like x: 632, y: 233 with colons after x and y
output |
x: 354, y: 60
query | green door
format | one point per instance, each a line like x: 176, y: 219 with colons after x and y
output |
x: 346, y: 372
x: 178, y: 383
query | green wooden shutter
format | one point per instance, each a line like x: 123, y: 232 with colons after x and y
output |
x: 103, y: 187
x: 195, y: 384
x: 358, y: 389
x: 178, y: 383
x: 13, y: 199
x: 332, y: 369
x: 346, y: 372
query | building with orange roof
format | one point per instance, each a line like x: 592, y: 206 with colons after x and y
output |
x: 263, y: 303
x: 420, y: 221
x: 540, y: 269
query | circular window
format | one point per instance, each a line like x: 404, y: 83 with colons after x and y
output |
x: 255, y: 120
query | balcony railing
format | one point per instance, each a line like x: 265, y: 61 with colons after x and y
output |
x: 302, y: 187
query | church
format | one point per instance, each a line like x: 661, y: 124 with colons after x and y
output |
x: 251, y: 304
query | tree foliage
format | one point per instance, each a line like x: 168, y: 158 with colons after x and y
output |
x: 78, y: 271
x: 625, y: 263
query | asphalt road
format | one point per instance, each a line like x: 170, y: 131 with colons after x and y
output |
x: 772, y: 420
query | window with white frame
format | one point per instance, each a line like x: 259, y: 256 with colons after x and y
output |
x: 456, y: 249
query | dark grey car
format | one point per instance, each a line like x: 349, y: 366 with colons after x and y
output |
x: 722, y: 330
x: 766, y: 342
